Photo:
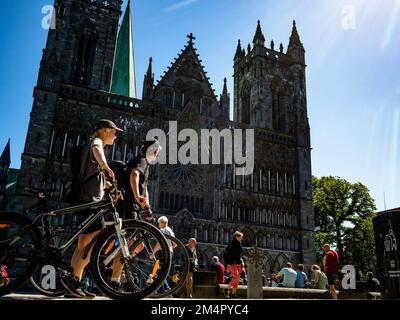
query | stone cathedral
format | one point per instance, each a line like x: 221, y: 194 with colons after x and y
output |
x: 87, y: 73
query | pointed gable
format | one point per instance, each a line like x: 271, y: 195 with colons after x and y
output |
x: 190, y: 117
x: 187, y: 74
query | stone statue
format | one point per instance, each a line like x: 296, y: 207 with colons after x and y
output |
x: 118, y: 155
x: 130, y: 155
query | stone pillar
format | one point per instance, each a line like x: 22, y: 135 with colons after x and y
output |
x: 254, y: 260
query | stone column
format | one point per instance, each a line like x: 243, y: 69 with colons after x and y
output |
x: 254, y: 260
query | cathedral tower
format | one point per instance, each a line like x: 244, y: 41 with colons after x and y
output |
x: 79, y: 52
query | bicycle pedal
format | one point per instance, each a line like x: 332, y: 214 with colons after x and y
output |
x: 28, y: 246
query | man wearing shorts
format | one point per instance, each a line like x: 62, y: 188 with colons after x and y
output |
x: 330, y: 261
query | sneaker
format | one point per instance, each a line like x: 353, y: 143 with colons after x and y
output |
x: 235, y: 296
x: 227, y: 294
x: 73, y: 285
x: 115, y: 285
x: 88, y: 294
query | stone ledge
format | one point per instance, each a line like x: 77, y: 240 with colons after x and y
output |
x: 217, y: 292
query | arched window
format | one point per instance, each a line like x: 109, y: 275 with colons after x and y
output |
x: 279, y: 111
x: 176, y: 204
x: 107, y: 76
x: 161, y: 200
x: 85, y: 54
x: 168, y: 96
x: 245, y: 99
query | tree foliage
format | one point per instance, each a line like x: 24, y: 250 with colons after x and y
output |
x: 343, y: 217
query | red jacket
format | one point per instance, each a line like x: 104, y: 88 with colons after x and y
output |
x: 220, y: 270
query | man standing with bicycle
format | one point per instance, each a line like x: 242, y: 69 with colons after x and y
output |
x: 92, y: 177
x: 136, y: 193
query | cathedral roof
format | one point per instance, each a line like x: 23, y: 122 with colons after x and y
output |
x: 123, y: 78
x: 187, y: 65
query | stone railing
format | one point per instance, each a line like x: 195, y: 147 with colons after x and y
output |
x: 104, y: 98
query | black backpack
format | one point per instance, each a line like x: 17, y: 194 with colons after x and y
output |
x: 121, y: 173
x: 73, y: 188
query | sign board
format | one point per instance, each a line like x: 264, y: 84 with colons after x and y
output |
x: 387, y: 237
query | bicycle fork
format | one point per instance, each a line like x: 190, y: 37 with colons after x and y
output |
x: 122, y: 239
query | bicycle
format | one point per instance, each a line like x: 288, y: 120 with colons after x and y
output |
x: 23, y: 248
x: 45, y: 279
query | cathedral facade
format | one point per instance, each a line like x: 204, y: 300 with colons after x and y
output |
x: 87, y: 73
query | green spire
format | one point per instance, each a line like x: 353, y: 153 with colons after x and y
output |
x: 123, y: 79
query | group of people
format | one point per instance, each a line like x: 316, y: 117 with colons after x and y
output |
x: 290, y: 278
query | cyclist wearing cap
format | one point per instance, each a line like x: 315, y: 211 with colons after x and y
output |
x: 92, y: 175
x: 137, y: 194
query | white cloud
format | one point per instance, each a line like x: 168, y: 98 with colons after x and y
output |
x: 391, y: 26
x: 179, y: 5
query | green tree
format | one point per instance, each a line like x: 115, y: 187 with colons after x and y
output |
x: 338, y: 205
x: 360, y: 244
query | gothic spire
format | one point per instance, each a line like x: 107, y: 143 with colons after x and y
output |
x: 225, y: 90
x: 259, y: 38
x: 149, y: 73
x: 295, y: 38
x: 148, y: 83
x: 225, y: 101
x: 238, y: 50
x: 295, y: 47
x: 6, y: 155
x: 123, y: 79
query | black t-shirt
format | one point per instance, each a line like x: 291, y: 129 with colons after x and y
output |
x: 140, y: 164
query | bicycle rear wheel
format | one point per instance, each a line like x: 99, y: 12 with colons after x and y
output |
x: 141, y: 274
x: 17, y: 250
x: 179, y: 270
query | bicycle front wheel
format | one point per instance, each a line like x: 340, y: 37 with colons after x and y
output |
x: 137, y: 276
x: 17, y: 247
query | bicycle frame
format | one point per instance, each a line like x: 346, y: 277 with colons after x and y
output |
x: 103, y: 206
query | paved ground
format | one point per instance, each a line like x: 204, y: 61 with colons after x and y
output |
x: 33, y: 296
x: 40, y: 297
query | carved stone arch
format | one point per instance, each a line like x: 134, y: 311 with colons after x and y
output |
x: 279, y: 262
x: 280, y: 241
x: 296, y: 259
x: 207, y: 255
x: 183, y: 222
x: 249, y: 237
x: 269, y: 262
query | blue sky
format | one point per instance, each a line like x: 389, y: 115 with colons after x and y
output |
x: 353, y: 79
